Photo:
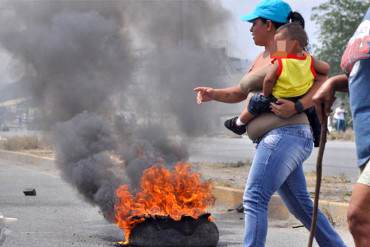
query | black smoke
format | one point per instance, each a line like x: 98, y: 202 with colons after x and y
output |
x: 115, y: 79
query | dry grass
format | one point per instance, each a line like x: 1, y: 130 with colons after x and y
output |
x: 221, y: 165
x: 341, y: 179
x: 19, y: 143
x: 333, y: 188
x: 348, y: 135
x: 234, y: 175
x: 329, y: 216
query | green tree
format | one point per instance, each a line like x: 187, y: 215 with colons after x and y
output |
x: 338, y: 20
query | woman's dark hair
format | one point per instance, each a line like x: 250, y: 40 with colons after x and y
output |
x: 292, y: 17
x: 296, y: 17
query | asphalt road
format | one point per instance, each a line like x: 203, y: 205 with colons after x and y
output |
x: 339, y: 157
x: 57, y: 217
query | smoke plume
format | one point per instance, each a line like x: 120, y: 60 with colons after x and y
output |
x: 113, y: 81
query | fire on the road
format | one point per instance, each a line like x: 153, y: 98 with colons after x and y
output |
x: 173, y: 194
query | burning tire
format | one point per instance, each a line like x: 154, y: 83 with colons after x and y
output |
x: 169, y: 211
x: 166, y: 232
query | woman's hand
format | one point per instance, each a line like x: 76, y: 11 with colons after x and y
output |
x: 283, y: 108
x: 325, y: 95
x: 204, y: 94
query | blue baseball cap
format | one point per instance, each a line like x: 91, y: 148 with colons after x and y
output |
x: 274, y: 10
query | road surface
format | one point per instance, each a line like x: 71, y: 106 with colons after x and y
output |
x: 58, y: 217
x: 339, y: 157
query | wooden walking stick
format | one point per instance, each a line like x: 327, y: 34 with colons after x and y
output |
x: 324, y: 129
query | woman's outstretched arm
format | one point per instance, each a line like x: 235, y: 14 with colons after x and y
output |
x: 226, y: 95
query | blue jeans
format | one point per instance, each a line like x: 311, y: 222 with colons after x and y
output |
x: 277, y: 166
x: 341, y: 125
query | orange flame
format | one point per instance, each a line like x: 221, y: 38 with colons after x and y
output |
x: 163, y: 193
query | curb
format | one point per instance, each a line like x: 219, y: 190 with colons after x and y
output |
x: 232, y: 198
x: 26, y: 158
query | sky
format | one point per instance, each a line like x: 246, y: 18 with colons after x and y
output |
x: 240, y: 43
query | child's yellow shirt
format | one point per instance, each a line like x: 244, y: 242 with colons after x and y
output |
x: 295, y: 76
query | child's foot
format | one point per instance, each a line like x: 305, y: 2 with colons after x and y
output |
x: 237, y: 129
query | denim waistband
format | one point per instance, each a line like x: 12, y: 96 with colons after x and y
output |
x: 300, y: 130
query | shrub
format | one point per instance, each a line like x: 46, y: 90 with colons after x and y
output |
x: 16, y: 143
x: 348, y: 135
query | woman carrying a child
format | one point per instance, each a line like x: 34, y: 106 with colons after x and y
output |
x: 284, y: 136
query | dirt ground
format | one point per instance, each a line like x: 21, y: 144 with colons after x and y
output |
x: 333, y: 188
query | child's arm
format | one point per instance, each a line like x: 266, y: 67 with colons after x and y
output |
x: 270, y: 79
x: 321, y: 67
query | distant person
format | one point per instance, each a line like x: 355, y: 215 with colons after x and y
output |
x: 356, y: 80
x: 339, y: 117
x: 284, y: 138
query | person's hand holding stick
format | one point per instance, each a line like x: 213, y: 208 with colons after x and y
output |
x: 324, y: 99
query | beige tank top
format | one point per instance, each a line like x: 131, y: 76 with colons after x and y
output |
x: 262, y: 124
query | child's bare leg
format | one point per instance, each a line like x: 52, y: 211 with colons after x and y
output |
x: 245, y: 117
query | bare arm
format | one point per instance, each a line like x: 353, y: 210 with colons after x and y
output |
x: 270, y: 80
x: 339, y: 83
x: 226, y: 95
x: 321, y: 67
x: 325, y: 95
x: 229, y: 95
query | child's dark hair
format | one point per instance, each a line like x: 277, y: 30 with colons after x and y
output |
x: 293, y: 17
x: 296, y: 32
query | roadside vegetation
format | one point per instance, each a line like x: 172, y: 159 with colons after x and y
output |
x: 29, y: 144
x: 234, y: 175
x: 348, y: 135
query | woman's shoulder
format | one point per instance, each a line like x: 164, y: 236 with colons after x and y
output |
x: 262, y: 60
